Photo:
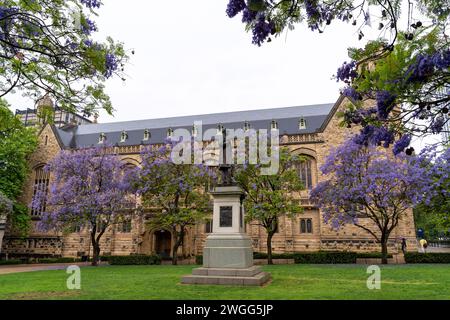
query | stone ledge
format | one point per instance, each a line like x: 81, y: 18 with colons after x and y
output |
x: 256, y: 280
x: 228, y: 272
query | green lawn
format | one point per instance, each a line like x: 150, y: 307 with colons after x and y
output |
x: 289, y: 282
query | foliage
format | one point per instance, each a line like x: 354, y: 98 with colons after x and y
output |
x: 90, y: 187
x: 16, y: 144
x: 6, y: 206
x: 368, y: 183
x: 435, y: 211
x: 324, y: 257
x: 319, y: 257
x: 432, y: 257
x: 56, y: 260
x: 10, y: 262
x: 134, y: 260
x: 48, y: 47
x: 407, y: 66
x: 430, y: 222
x: 177, y: 193
x: 267, y: 197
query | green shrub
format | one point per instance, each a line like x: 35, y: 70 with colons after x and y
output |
x: 371, y: 255
x: 105, y: 258
x: 325, y: 257
x: 319, y: 257
x: 262, y: 255
x: 57, y: 260
x: 434, y: 257
x: 134, y: 260
x: 10, y: 262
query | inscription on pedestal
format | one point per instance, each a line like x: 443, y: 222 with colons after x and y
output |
x: 226, y: 216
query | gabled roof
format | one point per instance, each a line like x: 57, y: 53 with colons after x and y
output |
x: 287, y: 119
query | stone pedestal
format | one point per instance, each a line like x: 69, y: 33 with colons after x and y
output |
x: 228, y: 252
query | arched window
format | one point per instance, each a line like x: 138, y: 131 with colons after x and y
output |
x: 306, y: 226
x: 41, y: 182
x: 305, y: 172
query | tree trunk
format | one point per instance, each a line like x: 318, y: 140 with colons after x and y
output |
x: 384, y: 250
x: 269, y: 248
x: 95, y: 249
x: 178, y: 243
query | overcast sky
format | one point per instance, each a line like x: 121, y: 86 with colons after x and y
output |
x: 192, y: 59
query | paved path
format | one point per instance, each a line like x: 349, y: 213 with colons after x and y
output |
x: 39, y: 267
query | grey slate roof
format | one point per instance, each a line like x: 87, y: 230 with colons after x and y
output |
x: 287, y: 119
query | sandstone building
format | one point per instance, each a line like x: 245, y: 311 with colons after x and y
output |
x: 307, y: 130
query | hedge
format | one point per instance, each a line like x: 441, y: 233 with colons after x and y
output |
x: 324, y: 257
x: 134, y: 260
x: 319, y: 257
x: 434, y: 257
x: 10, y: 262
x: 57, y: 260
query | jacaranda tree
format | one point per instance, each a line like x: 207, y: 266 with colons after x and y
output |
x: 268, y: 197
x: 407, y: 66
x: 436, y: 209
x: 89, y: 189
x: 175, y: 193
x: 47, y: 46
x: 368, y: 183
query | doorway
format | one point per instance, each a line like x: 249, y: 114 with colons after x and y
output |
x: 163, y: 242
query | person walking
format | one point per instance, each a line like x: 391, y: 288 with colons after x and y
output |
x: 423, y: 245
x: 404, y: 245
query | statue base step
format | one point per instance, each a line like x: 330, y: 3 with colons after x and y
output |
x: 252, y: 276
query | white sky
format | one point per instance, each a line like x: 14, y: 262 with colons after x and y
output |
x: 192, y: 59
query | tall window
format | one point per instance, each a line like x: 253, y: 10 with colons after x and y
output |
x: 41, y: 182
x: 125, y: 226
x: 304, y: 169
x: 208, y: 226
x: 306, y: 226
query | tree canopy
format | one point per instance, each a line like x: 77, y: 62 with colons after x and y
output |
x: 47, y: 46
x: 268, y: 197
x: 16, y: 144
x: 175, y: 194
x: 365, y: 182
x: 89, y: 189
x: 406, y: 66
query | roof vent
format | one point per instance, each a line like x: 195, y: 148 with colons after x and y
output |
x: 302, y: 123
x: 194, y: 130
x: 274, y: 125
x: 246, y: 126
x: 220, y: 129
x: 146, y: 135
x: 123, y: 136
x: 102, y: 138
x: 169, y: 132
